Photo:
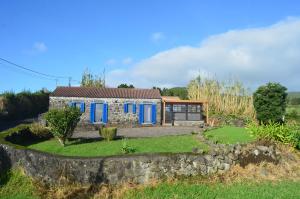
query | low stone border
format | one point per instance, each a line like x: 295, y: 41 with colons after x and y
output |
x: 137, y: 168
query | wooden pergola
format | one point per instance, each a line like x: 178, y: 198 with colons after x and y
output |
x: 175, y: 100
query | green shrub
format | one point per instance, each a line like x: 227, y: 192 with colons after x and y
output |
x: 62, y: 122
x: 126, y: 148
x: 39, y: 130
x: 108, y: 133
x: 285, y: 133
x: 270, y: 103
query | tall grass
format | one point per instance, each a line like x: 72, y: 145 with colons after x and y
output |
x: 229, y: 97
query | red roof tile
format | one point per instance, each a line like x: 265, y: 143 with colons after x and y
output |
x: 91, y: 92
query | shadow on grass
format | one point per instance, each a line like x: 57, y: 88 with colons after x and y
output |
x: 82, y: 140
x: 26, y: 141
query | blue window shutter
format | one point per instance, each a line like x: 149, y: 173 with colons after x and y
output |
x: 141, y: 114
x: 105, y: 113
x: 82, y: 107
x: 153, y: 113
x: 92, y: 112
x: 125, y: 107
x: 134, y: 108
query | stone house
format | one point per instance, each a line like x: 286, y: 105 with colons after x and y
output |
x: 127, y: 107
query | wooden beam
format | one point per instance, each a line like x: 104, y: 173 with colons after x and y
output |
x: 164, y: 113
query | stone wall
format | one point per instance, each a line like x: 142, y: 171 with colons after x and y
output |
x: 128, y: 168
x: 116, y: 115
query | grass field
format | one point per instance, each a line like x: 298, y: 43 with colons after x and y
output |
x: 171, y: 144
x: 265, y: 190
x: 229, y: 135
x: 293, y: 108
x: 290, y: 108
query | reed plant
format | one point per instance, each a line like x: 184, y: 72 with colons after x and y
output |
x: 229, y: 98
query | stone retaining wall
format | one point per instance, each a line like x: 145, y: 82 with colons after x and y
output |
x: 128, y: 168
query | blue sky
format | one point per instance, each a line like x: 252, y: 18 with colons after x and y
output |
x: 150, y: 43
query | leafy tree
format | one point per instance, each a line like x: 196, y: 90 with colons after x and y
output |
x: 270, y: 103
x: 181, y: 92
x: 125, y: 86
x: 24, y: 104
x: 62, y: 122
x: 160, y: 91
x: 90, y: 80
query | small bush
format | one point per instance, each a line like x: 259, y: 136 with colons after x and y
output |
x: 62, y: 122
x: 108, y: 133
x: 126, y: 148
x: 40, y: 131
x: 285, y: 133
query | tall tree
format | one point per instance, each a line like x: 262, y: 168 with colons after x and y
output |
x: 90, y: 80
x: 270, y: 102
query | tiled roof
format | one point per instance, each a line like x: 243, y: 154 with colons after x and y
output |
x: 92, y: 92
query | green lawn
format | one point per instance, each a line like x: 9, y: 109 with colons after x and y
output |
x: 229, y: 135
x: 173, y: 144
x: 265, y: 190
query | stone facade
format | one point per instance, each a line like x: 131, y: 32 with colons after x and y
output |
x: 116, y: 115
x: 142, y: 168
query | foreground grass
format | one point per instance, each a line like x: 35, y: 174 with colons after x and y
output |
x: 264, y: 190
x: 229, y: 135
x: 15, y: 185
x: 171, y: 144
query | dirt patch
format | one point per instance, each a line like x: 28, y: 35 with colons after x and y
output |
x: 256, y: 159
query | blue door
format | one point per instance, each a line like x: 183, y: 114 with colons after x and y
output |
x: 147, y: 114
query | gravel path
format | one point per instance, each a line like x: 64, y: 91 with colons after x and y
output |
x: 142, y: 132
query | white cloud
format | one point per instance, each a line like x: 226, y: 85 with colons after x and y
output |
x: 39, y: 47
x: 255, y: 55
x: 127, y: 60
x: 157, y: 36
x: 111, y: 62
